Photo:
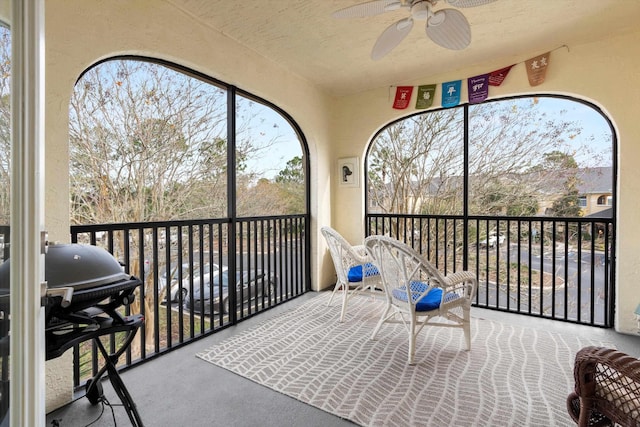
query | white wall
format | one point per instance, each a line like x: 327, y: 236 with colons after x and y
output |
x: 606, y: 73
x: 81, y: 32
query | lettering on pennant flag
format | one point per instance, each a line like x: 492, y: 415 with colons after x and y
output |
x: 497, y: 77
x: 403, y: 96
x: 537, y: 68
x: 451, y: 93
x: 425, y: 96
x: 478, y: 88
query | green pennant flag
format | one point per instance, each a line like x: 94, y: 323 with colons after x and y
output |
x: 426, y: 93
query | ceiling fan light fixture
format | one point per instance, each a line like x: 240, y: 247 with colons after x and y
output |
x: 420, y: 10
x: 437, y: 18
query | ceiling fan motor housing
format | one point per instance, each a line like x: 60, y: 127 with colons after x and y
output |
x: 420, y: 10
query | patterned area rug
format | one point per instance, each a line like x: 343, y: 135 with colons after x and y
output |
x: 513, y: 376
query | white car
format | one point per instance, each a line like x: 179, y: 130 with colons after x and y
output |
x: 493, y: 240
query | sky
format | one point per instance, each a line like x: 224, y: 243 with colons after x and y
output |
x: 596, y: 135
x: 280, y: 137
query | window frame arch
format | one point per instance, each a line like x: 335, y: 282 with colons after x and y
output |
x: 232, y: 92
x: 465, y: 107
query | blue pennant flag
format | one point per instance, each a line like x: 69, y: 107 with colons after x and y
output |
x: 451, y: 93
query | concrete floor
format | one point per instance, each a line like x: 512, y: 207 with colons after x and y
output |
x: 178, y: 389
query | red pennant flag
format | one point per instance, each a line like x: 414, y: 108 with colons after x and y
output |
x: 537, y: 68
x: 497, y: 77
x: 403, y: 96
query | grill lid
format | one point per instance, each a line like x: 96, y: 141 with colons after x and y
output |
x: 81, y: 266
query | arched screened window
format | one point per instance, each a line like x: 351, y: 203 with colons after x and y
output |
x: 5, y: 211
x: 149, y: 141
x: 524, y: 156
x: 5, y: 124
x: 511, y: 189
x: 184, y: 178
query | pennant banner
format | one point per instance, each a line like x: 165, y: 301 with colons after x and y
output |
x: 497, y: 77
x: 426, y: 93
x: 451, y: 93
x: 478, y: 88
x: 403, y: 96
x: 537, y: 68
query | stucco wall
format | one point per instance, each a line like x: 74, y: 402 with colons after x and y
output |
x: 606, y: 73
x: 81, y: 32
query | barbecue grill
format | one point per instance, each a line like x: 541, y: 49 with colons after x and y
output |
x: 86, y: 286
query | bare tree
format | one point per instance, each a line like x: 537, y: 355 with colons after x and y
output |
x: 146, y: 143
x: 416, y: 165
x: 5, y: 125
x: 508, y: 142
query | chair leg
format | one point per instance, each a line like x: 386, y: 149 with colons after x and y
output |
x: 585, y: 412
x: 337, y: 287
x: 412, y: 339
x: 466, y: 325
x: 381, y: 321
x: 345, y: 298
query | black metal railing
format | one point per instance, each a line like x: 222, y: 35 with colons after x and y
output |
x: 198, y: 276
x: 555, y: 268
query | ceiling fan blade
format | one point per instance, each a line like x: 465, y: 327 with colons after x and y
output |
x: 449, y: 29
x: 468, y: 3
x: 370, y: 8
x: 391, y: 37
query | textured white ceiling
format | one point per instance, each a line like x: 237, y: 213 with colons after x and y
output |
x: 334, y: 53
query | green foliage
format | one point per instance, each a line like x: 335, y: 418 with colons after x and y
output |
x: 293, y: 173
x: 559, y: 160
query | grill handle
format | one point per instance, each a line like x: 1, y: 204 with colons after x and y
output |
x: 66, y: 292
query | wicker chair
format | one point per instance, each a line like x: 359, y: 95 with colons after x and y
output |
x: 607, y: 388
x: 417, y: 293
x: 355, y: 272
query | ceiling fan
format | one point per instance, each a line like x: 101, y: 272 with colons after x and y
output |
x: 446, y: 27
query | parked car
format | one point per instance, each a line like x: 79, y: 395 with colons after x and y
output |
x: 251, y: 284
x: 493, y: 240
x: 176, y: 288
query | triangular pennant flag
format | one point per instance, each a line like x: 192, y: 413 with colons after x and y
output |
x: 497, y: 77
x: 478, y: 88
x: 537, y: 68
x: 403, y: 96
x: 451, y: 93
x: 426, y: 93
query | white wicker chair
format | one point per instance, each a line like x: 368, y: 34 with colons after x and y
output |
x: 417, y: 293
x: 354, y: 270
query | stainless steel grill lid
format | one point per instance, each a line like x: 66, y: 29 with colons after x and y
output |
x: 81, y: 266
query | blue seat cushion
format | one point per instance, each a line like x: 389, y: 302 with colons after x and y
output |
x: 430, y: 301
x: 355, y: 273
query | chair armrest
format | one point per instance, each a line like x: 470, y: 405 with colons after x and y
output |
x: 613, y: 363
x: 464, y: 280
x: 361, y: 252
x: 610, y: 381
